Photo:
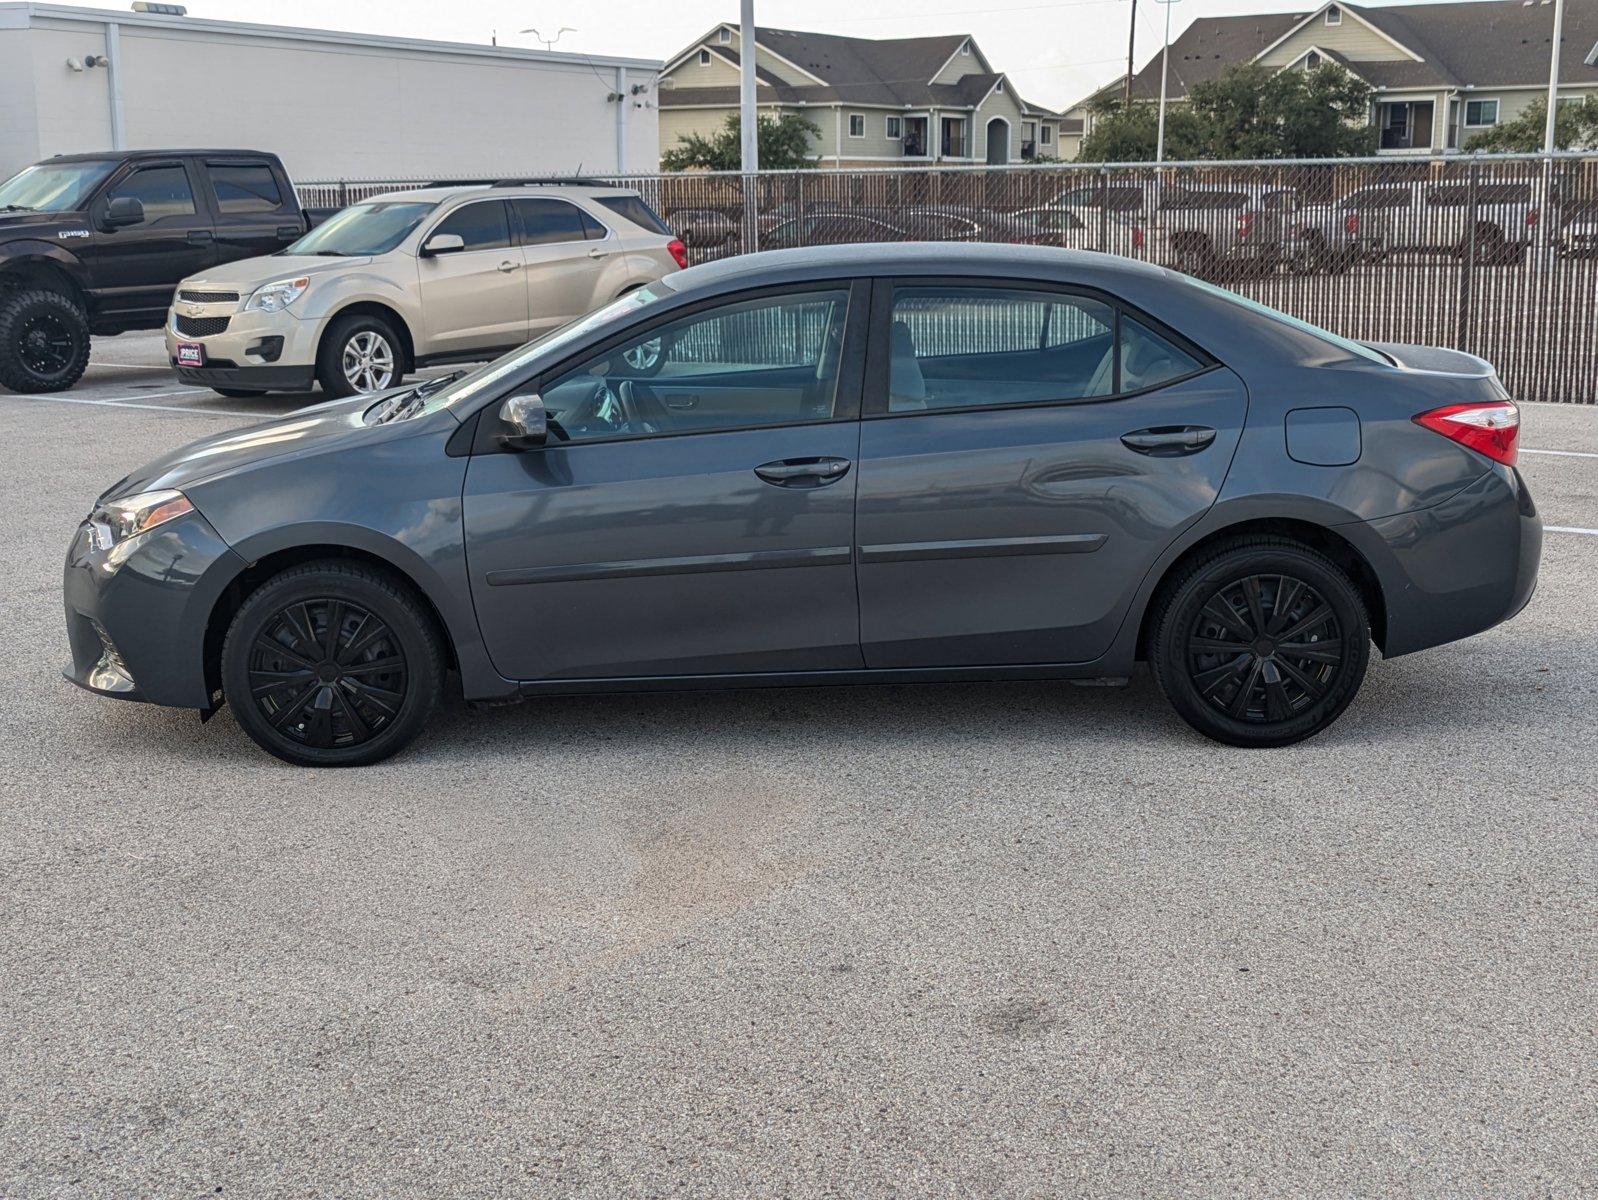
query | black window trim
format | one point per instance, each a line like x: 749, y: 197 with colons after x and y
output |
x: 204, y: 211
x: 510, y: 229
x: 846, y: 402
x: 874, y: 406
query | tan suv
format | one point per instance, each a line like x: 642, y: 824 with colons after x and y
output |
x: 412, y: 279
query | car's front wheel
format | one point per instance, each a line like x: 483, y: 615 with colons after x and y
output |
x: 332, y: 664
x: 1261, y: 642
x: 359, y: 354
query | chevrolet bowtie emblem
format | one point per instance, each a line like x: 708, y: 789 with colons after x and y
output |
x: 195, y: 310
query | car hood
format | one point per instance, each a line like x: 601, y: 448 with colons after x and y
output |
x: 21, y: 224
x: 317, y: 429
x: 253, y: 272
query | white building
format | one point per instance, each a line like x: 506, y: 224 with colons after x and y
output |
x: 332, y: 105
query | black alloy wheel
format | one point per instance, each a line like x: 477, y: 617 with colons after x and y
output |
x: 44, y: 341
x: 1262, y: 641
x: 332, y: 664
x: 45, y: 344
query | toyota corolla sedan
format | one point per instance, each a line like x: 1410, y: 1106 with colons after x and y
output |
x: 860, y: 464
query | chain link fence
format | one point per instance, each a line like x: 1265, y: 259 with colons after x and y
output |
x: 1497, y: 256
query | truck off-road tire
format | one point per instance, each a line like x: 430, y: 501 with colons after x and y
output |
x: 360, y: 353
x: 44, y: 341
x: 333, y: 664
x: 1261, y: 641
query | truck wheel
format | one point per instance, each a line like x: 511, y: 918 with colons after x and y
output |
x: 359, y: 354
x: 44, y: 341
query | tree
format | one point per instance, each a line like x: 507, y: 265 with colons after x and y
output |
x: 1248, y: 111
x: 784, y: 143
x: 1575, y: 128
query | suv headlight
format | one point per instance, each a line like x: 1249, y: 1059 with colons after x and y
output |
x: 116, y: 521
x: 275, y: 297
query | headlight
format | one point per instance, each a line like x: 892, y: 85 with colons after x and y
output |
x: 274, y: 297
x: 115, y: 521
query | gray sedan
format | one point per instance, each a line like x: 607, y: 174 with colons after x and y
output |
x: 867, y: 464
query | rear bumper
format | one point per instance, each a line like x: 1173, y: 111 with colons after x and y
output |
x: 1459, y: 567
x: 136, y: 620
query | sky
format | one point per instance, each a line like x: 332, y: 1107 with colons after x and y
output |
x: 1054, y: 54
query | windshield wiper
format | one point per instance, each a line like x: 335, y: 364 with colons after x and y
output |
x: 330, y: 254
x: 408, y: 402
x: 18, y: 208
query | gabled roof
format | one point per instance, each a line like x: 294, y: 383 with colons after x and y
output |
x: 888, y: 72
x: 1462, y: 43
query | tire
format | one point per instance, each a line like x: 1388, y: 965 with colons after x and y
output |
x: 237, y: 393
x: 1206, y: 680
x: 357, y: 705
x: 344, y: 335
x: 44, y: 341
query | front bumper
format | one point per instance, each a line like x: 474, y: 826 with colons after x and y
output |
x: 257, y: 349
x: 149, y: 599
x: 1459, y: 567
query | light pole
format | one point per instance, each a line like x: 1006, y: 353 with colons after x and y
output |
x: 1553, y: 77
x: 549, y: 43
x: 1548, y: 223
x: 748, y: 122
x: 1165, y: 70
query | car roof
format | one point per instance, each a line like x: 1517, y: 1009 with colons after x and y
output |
x: 186, y: 152
x: 905, y: 258
x: 444, y: 192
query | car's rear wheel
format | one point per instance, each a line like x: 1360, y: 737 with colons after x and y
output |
x: 360, y: 354
x: 44, y: 341
x: 332, y: 664
x: 1261, y: 642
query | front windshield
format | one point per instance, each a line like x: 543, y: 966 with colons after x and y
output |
x: 484, y: 378
x: 364, y: 229
x: 1277, y: 314
x: 52, y: 187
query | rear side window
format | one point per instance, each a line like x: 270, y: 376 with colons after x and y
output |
x: 634, y: 209
x: 481, y: 226
x: 245, y: 187
x: 547, y: 222
x: 955, y: 347
x: 1148, y: 359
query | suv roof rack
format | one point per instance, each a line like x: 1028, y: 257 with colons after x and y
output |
x: 555, y: 180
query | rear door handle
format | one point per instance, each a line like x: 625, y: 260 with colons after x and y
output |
x: 507, y: 266
x: 596, y: 252
x: 1168, y: 441
x: 289, y: 231
x: 804, y: 472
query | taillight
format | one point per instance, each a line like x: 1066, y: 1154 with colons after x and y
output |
x: 1137, y: 237
x: 678, y: 252
x: 1245, y: 222
x: 1490, y: 427
x: 1531, y: 217
x: 1351, y: 222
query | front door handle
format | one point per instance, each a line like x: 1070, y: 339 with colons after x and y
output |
x: 201, y: 237
x: 804, y: 472
x: 507, y: 266
x: 596, y: 252
x: 1168, y: 441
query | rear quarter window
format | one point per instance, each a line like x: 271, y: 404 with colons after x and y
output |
x: 634, y: 209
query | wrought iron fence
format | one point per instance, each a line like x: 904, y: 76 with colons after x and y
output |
x: 1497, y: 256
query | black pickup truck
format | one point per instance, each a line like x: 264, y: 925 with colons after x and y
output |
x: 96, y: 243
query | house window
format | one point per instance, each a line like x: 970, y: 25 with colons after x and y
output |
x: 999, y: 87
x: 894, y: 128
x: 1480, y: 113
x: 1048, y: 135
x: 726, y: 35
x: 857, y: 125
x: 1334, y: 15
x: 965, y: 49
x: 704, y: 58
x: 1312, y: 60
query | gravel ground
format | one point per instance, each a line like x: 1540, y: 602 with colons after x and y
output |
x: 978, y: 940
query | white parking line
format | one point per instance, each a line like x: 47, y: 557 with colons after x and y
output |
x: 1570, y: 529
x: 1562, y: 453
x: 128, y: 402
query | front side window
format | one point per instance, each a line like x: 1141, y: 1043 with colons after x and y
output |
x: 364, y: 229
x: 164, y: 191
x: 245, y: 187
x: 546, y: 222
x: 770, y: 361
x: 972, y: 347
x: 481, y: 226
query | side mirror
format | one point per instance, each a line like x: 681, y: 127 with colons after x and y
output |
x: 525, y: 421
x: 443, y: 243
x: 124, y: 210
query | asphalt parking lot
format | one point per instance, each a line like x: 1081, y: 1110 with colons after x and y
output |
x: 984, y: 940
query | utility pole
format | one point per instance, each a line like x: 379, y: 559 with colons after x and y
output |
x: 1131, y: 43
x: 1165, y: 70
x: 1553, y: 77
x: 748, y: 121
x: 1548, y: 223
